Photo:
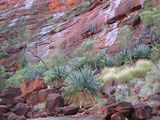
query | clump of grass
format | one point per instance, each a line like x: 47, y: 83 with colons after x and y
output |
x: 32, y: 72
x: 155, y: 52
x: 57, y: 75
x: 82, y: 87
x: 56, y: 59
x: 141, y: 68
x: 124, y: 73
x: 2, y: 69
x: 123, y: 57
x: 141, y: 51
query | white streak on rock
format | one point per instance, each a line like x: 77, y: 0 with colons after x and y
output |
x: 29, y: 4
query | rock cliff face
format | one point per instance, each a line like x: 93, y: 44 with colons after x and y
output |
x: 47, y: 22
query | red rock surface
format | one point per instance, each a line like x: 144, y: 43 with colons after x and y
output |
x: 45, y: 23
x: 32, y: 85
x: 93, y: 23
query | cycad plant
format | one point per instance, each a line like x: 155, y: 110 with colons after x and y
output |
x: 82, y: 87
x: 124, y: 56
x: 141, y: 51
x: 57, y: 75
x: 109, y: 61
x: 32, y: 72
x: 3, y: 54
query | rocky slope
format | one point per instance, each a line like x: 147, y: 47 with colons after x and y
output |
x: 47, y: 23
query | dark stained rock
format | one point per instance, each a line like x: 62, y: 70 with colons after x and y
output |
x: 142, y: 112
x: 39, y: 96
x: 22, y: 109
x: 13, y: 116
x: 4, y: 109
x: 122, y: 107
x: 156, y: 110
x: 71, y: 110
x: 53, y: 102
x: 2, y: 116
x: 8, y: 94
x: 18, y: 99
x: 118, y: 116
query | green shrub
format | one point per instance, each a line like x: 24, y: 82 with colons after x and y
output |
x: 82, y: 7
x: 86, y: 46
x: 33, y: 72
x: 141, y: 51
x: 3, y: 83
x: 123, y: 35
x: 57, y: 59
x: 2, y: 80
x: 2, y: 69
x: 88, y: 58
x: 152, y: 19
x: 105, y: 60
x: 153, y: 75
x: 149, y: 5
x: 82, y: 87
x: 109, y: 61
x: 3, y: 54
x: 15, y: 35
x: 57, y: 74
x: 22, y: 60
x: 17, y: 78
x: 155, y: 52
x: 39, y: 106
x: 79, y: 9
x: 27, y: 73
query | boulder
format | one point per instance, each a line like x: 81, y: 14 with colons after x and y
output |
x: 156, y: 110
x: 13, y: 116
x: 39, y: 96
x: 71, y: 110
x: 118, y: 116
x: 22, y: 109
x: 142, y: 112
x: 18, y: 99
x: 122, y: 107
x: 32, y: 85
x: 53, y: 102
x: 4, y: 109
x: 8, y: 94
x: 1, y: 116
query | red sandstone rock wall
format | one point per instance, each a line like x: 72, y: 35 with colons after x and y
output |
x: 45, y: 22
x: 62, y: 5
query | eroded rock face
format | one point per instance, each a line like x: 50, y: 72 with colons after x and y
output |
x: 93, y: 23
x: 45, y: 23
x: 32, y: 85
